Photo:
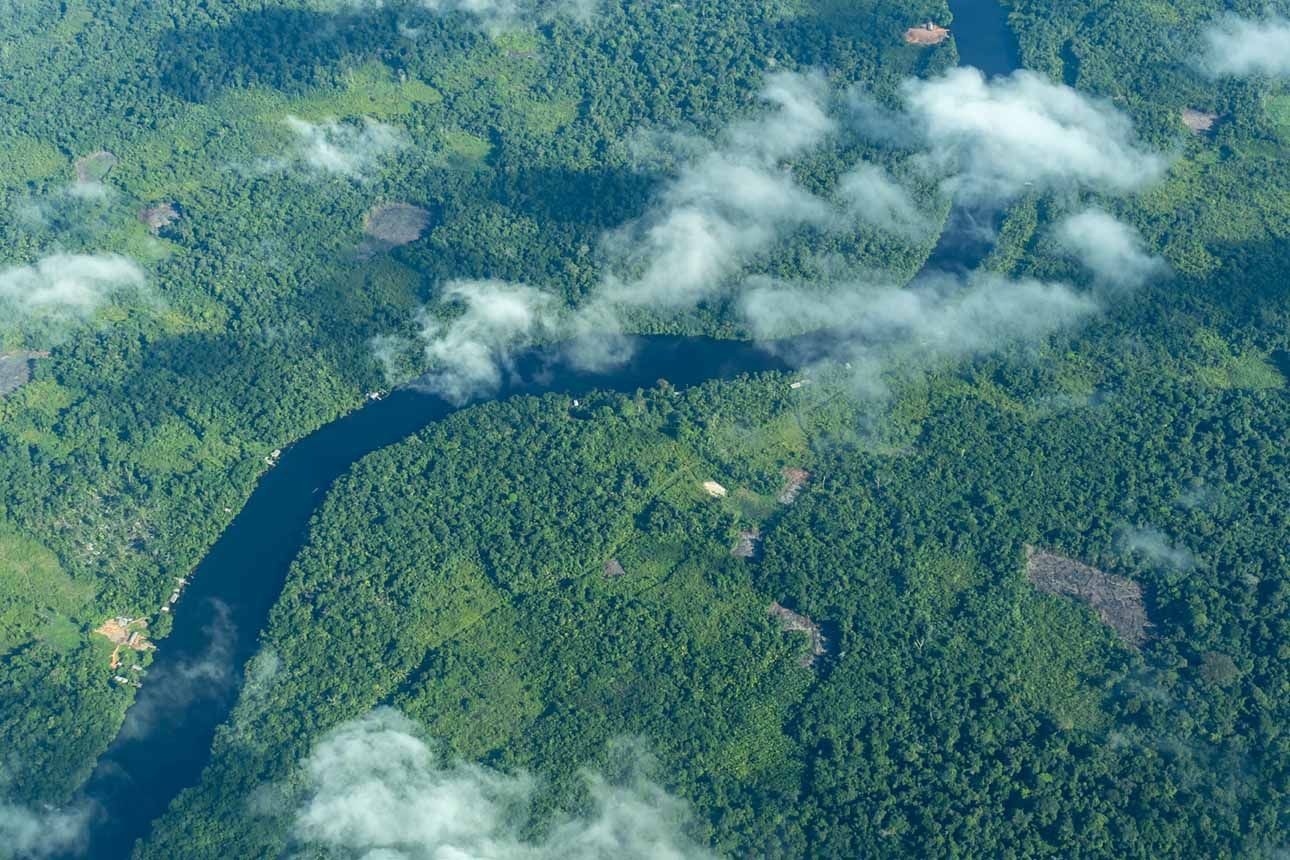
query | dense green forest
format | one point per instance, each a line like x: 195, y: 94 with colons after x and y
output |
x: 187, y: 199
x: 957, y: 710
x: 145, y: 429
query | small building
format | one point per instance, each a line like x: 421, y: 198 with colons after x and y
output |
x: 614, y: 569
x: 715, y: 490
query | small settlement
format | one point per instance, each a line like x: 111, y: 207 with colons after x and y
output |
x: 180, y: 582
x: 127, y: 634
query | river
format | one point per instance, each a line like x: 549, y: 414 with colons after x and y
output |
x: 192, y: 684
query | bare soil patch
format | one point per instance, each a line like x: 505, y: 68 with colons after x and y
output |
x: 159, y: 216
x: 1116, y: 600
x: 926, y: 34
x: 794, y: 480
x: 395, y: 224
x: 1199, y: 121
x: 746, y: 545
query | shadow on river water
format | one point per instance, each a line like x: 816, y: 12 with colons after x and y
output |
x: 192, y: 684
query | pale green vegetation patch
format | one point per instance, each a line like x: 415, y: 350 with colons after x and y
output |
x: 26, y: 159
x: 464, y: 144
x: 1278, y: 110
x: 1250, y: 370
x: 371, y: 90
x: 37, y: 599
x: 546, y: 117
x: 1051, y: 649
x: 1225, y: 368
x: 76, y: 16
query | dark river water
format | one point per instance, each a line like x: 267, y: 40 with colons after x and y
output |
x: 192, y: 684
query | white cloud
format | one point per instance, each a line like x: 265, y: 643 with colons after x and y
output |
x: 873, y: 196
x: 727, y: 205
x: 1241, y: 47
x: 728, y: 202
x: 1157, y: 548
x: 66, y: 286
x: 378, y: 789
x: 343, y: 149
x: 468, y: 354
x: 172, y: 687
x: 1112, y: 250
x: 29, y: 834
x: 882, y: 330
x: 998, y: 137
x: 494, y: 15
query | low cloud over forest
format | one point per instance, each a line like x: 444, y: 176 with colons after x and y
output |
x: 376, y: 787
x: 728, y: 202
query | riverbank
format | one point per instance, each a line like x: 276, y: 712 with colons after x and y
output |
x: 193, y: 680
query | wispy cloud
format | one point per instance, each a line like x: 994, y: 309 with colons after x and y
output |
x: 26, y: 833
x: 1243, y: 47
x: 886, y: 330
x: 347, y: 149
x: 378, y: 788
x: 469, y: 353
x: 494, y: 15
x: 996, y: 138
x: 874, y: 197
x: 66, y: 287
x: 171, y: 688
x: 728, y: 203
x: 1113, y: 251
x: 1155, y: 545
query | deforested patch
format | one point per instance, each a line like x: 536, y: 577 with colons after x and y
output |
x: 95, y: 166
x: 1199, y: 121
x: 159, y: 216
x: 794, y: 480
x: 1116, y: 600
x: 925, y: 34
x: 391, y: 225
x: 15, y: 369
x: 746, y: 544
x: 790, y: 621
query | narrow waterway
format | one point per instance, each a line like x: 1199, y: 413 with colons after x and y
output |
x: 191, y: 687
